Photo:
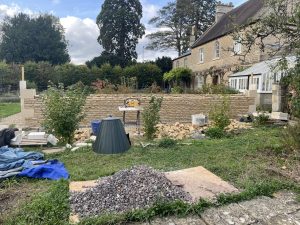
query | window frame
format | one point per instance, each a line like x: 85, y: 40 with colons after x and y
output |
x: 201, y: 55
x: 217, y: 50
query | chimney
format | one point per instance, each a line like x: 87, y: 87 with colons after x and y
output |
x: 222, y: 9
x: 193, y: 35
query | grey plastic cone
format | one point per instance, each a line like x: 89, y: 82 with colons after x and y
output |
x: 111, y: 137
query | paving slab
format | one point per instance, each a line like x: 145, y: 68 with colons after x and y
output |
x: 231, y: 214
x: 53, y: 150
x: 193, y: 220
x: 80, y: 186
x: 200, y: 182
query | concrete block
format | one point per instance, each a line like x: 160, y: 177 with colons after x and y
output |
x: 36, y: 135
x: 27, y: 93
x: 280, y: 116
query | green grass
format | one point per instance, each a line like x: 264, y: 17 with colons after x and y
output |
x: 239, y: 159
x: 242, y: 160
x: 8, y: 109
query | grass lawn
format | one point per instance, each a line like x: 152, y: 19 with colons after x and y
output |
x: 8, y: 109
x: 242, y: 160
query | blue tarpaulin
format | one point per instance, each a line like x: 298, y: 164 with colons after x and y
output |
x: 11, y: 158
x: 53, y: 170
x: 15, y: 161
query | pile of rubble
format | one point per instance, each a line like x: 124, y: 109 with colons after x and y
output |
x: 235, y: 125
x: 82, y: 134
x: 135, y: 188
x: 181, y: 131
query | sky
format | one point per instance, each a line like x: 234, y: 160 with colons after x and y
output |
x: 78, y: 19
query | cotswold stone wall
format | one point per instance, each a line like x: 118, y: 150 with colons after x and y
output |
x: 175, y: 108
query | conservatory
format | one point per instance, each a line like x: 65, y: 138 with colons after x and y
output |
x: 262, y: 75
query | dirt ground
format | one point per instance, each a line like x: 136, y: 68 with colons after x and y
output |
x: 15, y: 194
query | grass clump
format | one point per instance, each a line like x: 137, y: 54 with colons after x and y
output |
x: 167, y: 143
x: 50, y: 207
x: 215, y: 132
x: 261, y: 120
x: 291, y: 137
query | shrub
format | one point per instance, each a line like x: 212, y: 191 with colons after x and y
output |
x: 151, y: 117
x: 220, y: 113
x: 215, y: 132
x: 63, y: 111
x: 145, y: 73
x: 167, y: 143
x: 261, y: 120
x: 177, y: 90
x: 217, y: 89
x: 291, y: 137
x: 178, y: 75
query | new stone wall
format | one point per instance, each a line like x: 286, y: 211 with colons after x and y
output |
x: 175, y: 108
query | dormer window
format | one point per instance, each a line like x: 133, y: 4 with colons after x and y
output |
x: 217, y: 49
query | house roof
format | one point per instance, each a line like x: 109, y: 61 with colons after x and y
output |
x: 265, y: 67
x: 238, y: 16
x: 183, y: 55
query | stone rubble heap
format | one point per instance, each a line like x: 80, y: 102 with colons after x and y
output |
x: 135, y: 188
x: 82, y: 134
x: 181, y: 131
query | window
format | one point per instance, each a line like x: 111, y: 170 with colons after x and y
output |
x: 201, y: 55
x: 278, y: 76
x: 233, y: 83
x: 266, y: 82
x: 243, y: 84
x: 185, y: 62
x: 256, y: 82
x: 237, y: 47
x: 217, y: 49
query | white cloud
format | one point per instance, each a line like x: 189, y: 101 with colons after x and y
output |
x: 11, y: 10
x: 81, y: 35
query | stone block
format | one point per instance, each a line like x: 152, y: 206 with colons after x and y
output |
x: 280, y: 116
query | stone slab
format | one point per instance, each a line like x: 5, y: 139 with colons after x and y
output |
x: 80, y: 186
x: 53, y: 150
x: 200, y: 183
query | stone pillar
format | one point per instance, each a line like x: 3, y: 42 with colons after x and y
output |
x: 26, y: 94
x: 276, y: 98
x: 253, y: 94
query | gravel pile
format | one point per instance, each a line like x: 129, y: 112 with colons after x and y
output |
x: 135, y: 188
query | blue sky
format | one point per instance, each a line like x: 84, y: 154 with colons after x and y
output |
x: 78, y: 19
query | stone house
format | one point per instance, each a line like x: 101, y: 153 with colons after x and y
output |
x: 215, y: 55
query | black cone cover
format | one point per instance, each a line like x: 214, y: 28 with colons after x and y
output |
x: 111, y: 137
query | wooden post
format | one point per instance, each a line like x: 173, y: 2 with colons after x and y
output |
x: 23, y: 73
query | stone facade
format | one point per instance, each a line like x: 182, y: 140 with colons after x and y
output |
x: 175, y: 108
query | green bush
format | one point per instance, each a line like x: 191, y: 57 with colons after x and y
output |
x: 216, y: 89
x: 176, y: 90
x: 177, y: 76
x: 63, y: 111
x: 145, y: 73
x: 167, y: 143
x: 151, y: 117
x: 51, y: 207
x: 261, y: 120
x: 215, y: 132
x: 291, y: 137
x: 220, y: 113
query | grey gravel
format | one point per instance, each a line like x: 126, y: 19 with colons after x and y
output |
x: 135, y: 188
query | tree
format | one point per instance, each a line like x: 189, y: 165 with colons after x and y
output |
x: 146, y: 74
x: 120, y: 27
x: 179, y: 17
x: 107, y: 57
x: 164, y: 63
x: 33, y: 39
